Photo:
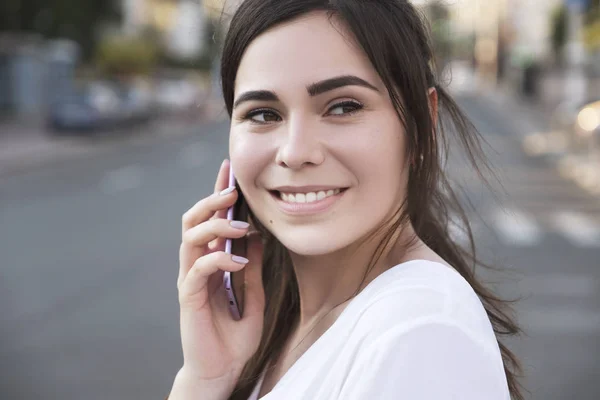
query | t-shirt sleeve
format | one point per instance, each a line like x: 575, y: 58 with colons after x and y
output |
x: 434, y: 360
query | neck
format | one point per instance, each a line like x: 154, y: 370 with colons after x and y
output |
x: 328, y: 281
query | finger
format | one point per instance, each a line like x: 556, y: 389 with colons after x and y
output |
x: 217, y: 245
x: 223, y: 172
x: 212, y: 233
x: 202, y: 234
x: 255, y: 295
x: 222, y: 181
x: 192, y: 288
x: 206, y: 208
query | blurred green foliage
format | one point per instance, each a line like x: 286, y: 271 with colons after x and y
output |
x: 438, y: 17
x: 72, y: 19
x: 591, y: 36
x: 559, y: 31
x: 126, y: 55
x: 591, y: 31
x: 592, y: 12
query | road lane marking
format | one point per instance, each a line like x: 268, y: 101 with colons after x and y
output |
x: 516, y: 228
x: 579, y: 229
x: 122, y: 179
x: 194, y: 155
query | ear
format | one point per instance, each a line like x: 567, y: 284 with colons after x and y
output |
x: 433, y: 105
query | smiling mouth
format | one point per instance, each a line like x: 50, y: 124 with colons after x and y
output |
x: 308, y: 197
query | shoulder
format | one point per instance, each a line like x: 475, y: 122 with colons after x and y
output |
x: 422, y: 323
x: 422, y: 293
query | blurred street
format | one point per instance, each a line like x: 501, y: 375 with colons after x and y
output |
x: 111, y: 127
x: 89, y: 263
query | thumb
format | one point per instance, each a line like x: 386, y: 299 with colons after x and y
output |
x: 254, y: 291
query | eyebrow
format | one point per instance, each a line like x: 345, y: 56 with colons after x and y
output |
x: 313, y: 89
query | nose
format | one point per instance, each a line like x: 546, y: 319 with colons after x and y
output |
x: 301, y: 145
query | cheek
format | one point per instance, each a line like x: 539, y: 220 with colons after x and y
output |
x: 249, y: 155
x: 379, y: 158
x: 382, y: 176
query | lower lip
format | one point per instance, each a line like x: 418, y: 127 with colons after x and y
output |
x: 307, y: 208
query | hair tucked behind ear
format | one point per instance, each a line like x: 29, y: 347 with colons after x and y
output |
x: 393, y: 36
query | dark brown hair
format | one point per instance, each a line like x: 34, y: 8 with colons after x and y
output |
x: 394, y: 36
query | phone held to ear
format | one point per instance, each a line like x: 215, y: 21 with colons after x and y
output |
x: 233, y: 282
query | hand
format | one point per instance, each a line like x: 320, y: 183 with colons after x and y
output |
x: 215, y: 346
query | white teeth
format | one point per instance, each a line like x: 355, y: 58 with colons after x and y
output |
x: 309, y: 197
x: 300, y: 198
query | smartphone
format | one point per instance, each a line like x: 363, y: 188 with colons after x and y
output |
x: 233, y: 282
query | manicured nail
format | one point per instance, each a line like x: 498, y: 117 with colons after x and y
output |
x: 239, y: 224
x: 240, y: 260
x: 227, y: 191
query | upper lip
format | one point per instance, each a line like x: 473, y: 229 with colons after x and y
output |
x: 306, y: 189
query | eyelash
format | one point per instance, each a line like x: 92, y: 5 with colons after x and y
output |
x: 357, y: 107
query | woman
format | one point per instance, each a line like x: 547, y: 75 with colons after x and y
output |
x: 337, y: 146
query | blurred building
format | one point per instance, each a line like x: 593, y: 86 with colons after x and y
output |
x: 531, y: 25
x: 505, y: 31
x: 180, y: 23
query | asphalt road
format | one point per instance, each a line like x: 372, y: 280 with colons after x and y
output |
x: 88, y: 263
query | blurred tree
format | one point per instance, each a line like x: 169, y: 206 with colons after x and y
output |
x: 125, y: 56
x: 72, y: 19
x: 559, y: 32
x: 438, y: 16
x: 591, y: 33
x: 592, y: 12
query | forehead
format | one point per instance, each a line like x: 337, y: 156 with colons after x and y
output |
x: 301, y: 52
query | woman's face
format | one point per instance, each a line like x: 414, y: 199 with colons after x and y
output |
x: 316, y: 145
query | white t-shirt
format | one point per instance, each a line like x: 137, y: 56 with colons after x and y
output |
x: 417, y: 332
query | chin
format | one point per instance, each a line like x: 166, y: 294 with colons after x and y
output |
x: 312, y: 242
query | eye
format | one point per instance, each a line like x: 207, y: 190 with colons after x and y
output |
x: 345, y: 108
x: 262, y: 116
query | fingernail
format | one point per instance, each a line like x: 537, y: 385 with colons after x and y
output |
x: 227, y: 191
x: 239, y: 224
x: 240, y: 260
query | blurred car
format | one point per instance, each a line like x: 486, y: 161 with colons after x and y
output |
x: 75, y: 112
x: 100, y: 106
x: 177, y: 95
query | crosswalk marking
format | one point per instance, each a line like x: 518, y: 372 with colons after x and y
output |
x: 516, y: 228
x: 578, y: 229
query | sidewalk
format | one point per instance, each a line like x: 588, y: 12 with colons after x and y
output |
x: 26, y: 145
